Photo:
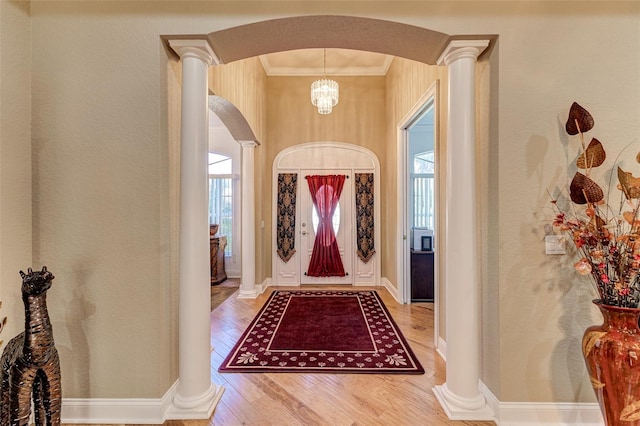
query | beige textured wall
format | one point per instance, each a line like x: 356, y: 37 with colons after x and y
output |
x: 487, y: 178
x: 358, y: 119
x: 102, y: 196
x: 15, y: 160
x: 244, y: 84
x: 101, y: 181
x: 407, y: 82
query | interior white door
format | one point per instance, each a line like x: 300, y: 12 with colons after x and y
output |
x: 342, y: 225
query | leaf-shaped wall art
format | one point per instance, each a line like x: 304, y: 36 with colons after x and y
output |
x: 593, y: 156
x: 628, y: 184
x: 579, y: 121
x: 583, y: 190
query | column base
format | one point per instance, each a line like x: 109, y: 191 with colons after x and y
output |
x: 248, y: 294
x: 459, y: 408
x: 199, y: 408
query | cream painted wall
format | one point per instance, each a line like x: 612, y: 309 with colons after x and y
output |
x: 101, y: 143
x: 244, y: 84
x: 407, y: 82
x: 15, y: 161
x: 358, y: 119
x: 102, y: 183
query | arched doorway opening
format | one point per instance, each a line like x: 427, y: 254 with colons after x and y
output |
x: 460, y: 396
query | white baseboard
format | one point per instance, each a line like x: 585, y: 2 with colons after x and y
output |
x: 441, y: 348
x: 131, y: 410
x: 391, y: 289
x: 265, y: 284
x: 542, y: 413
x: 117, y: 410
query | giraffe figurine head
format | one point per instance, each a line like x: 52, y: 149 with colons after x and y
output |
x: 36, y: 283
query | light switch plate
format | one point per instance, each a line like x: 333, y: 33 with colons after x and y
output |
x: 555, y: 244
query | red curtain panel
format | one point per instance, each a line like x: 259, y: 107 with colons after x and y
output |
x: 325, y: 258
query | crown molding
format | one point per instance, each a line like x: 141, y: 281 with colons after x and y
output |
x: 296, y: 71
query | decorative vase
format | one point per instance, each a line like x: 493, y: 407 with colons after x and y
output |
x: 612, y: 355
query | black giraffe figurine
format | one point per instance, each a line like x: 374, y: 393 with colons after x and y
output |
x: 30, y: 367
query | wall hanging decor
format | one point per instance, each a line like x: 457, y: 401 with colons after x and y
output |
x: 606, y: 238
x: 286, y: 215
x: 30, y: 364
x: 364, y: 216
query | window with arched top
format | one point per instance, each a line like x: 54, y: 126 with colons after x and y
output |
x: 221, y: 197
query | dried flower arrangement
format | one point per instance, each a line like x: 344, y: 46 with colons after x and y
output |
x: 606, y: 237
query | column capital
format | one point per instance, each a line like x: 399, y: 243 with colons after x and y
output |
x: 196, y: 48
x: 458, y: 49
x: 249, y: 144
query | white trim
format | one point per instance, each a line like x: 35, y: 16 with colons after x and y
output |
x: 402, y: 224
x: 441, y: 348
x: 462, y: 48
x: 457, y: 408
x: 118, y: 410
x: 195, y: 48
x: 367, y: 159
x: 131, y: 410
x: 195, y: 392
x: 542, y: 413
x: 198, y: 408
x: 384, y: 282
x: 460, y: 393
x: 272, y: 71
x: 247, y: 228
x: 156, y: 410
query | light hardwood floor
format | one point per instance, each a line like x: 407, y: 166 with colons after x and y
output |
x: 327, y: 399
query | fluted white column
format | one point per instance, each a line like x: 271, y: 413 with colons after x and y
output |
x: 196, y: 396
x: 248, y: 279
x: 460, y: 395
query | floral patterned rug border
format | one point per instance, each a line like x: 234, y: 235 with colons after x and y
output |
x: 390, y: 351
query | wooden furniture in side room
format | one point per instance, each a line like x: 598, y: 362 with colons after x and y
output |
x: 217, y: 246
x: 422, y: 276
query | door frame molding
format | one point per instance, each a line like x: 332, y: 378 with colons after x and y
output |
x: 366, y: 161
x: 403, y: 232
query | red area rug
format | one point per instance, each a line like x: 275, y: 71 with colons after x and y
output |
x: 323, y: 332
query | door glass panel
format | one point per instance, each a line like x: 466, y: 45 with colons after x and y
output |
x: 315, y: 220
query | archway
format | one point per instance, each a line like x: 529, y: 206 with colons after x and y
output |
x: 460, y: 395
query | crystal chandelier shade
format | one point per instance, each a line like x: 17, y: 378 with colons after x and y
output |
x: 324, y: 92
x: 324, y: 95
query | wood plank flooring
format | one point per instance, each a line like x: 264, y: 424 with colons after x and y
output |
x: 327, y: 399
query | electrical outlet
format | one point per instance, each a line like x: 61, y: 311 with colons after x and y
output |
x: 555, y: 244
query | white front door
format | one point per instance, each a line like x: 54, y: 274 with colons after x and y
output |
x: 342, y: 224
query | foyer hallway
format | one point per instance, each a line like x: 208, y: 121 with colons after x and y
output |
x: 327, y: 399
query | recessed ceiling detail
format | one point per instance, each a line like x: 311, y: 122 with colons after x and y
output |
x: 340, y: 62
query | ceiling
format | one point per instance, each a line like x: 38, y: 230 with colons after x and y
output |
x: 309, y: 62
x: 339, y: 62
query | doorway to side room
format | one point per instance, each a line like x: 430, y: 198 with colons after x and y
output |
x: 419, y: 146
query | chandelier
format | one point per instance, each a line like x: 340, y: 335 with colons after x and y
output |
x: 324, y: 92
